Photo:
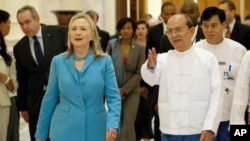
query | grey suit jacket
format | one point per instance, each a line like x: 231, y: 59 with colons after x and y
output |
x: 136, y: 57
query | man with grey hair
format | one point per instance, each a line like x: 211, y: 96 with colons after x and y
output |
x: 33, y: 54
x: 104, y: 35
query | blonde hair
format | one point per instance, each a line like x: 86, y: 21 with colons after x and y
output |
x: 95, y: 43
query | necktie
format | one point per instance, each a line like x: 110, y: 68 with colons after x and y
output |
x: 228, y: 32
x: 38, y: 52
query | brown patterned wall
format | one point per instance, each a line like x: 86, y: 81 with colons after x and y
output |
x: 247, y: 8
x: 205, y: 3
x: 136, y: 11
x: 121, y: 7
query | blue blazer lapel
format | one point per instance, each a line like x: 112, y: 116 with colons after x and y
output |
x: 88, y: 60
x: 70, y: 64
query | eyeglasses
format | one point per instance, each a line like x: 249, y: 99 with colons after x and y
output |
x: 177, y: 31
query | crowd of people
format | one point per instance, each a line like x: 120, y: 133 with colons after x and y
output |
x: 189, y: 73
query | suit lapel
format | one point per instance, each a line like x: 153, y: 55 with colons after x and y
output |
x: 235, y: 32
x: 27, y: 50
x: 199, y: 35
x: 132, y: 52
x: 46, y: 43
x: 70, y: 64
x: 88, y: 60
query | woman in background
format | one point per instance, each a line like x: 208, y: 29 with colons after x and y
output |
x: 128, y: 57
x: 9, y: 114
x: 143, y: 124
x: 141, y: 32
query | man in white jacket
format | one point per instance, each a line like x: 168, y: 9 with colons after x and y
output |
x: 189, y: 85
x: 241, y: 96
x: 229, y: 54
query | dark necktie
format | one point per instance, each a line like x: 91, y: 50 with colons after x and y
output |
x: 228, y: 32
x: 38, y: 52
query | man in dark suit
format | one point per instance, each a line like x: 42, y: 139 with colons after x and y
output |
x: 104, y: 35
x: 32, y: 75
x: 156, y: 32
x: 238, y: 32
x: 192, y: 10
x: 154, y: 36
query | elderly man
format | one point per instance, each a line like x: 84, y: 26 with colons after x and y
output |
x: 189, y: 85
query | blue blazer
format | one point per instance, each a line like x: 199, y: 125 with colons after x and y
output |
x: 72, y: 108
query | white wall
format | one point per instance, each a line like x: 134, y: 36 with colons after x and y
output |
x: 105, y: 8
x: 109, y: 16
x: 154, y: 8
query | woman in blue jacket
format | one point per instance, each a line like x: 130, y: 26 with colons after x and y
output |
x: 73, y: 108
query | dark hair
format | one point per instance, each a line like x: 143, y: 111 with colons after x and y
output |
x: 142, y: 22
x: 149, y: 15
x: 230, y: 4
x: 125, y: 20
x: 237, y: 17
x: 166, y: 4
x: 191, y: 4
x: 92, y: 14
x: 4, y: 17
x: 212, y: 11
x: 189, y: 21
x: 247, y: 17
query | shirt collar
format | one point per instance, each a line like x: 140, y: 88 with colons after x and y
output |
x: 195, y: 32
x: 231, y: 25
x: 185, y: 52
x: 164, y: 28
x: 39, y: 34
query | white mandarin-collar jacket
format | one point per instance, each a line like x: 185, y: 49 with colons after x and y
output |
x: 189, y: 91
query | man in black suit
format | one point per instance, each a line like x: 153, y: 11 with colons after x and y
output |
x: 104, y: 35
x: 154, y: 36
x: 32, y: 75
x: 156, y: 32
x: 192, y: 10
x: 238, y: 32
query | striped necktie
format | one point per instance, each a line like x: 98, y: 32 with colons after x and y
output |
x: 228, y: 32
